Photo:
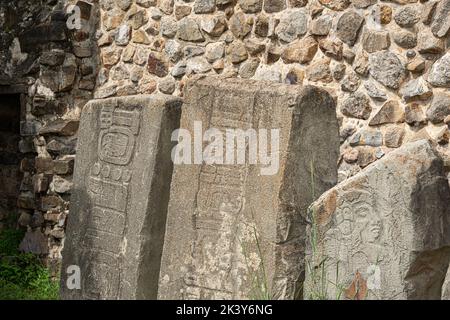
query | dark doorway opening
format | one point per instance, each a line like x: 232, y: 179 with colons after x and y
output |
x: 10, y: 175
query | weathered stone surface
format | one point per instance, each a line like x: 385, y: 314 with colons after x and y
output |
x: 141, y: 37
x: 348, y: 55
x: 357, y: 227
x: 173, y: 49
x: 330, y: 48
x: 414, y: 115
x: 301, y: 51
x: 319, y: 71
x: 123, y: 4
x: 123, y: 35
x: 337, y: 5
x: 168, y: 26
x: 157, y: 65
x: 428, y: 43
x: 198, y: 65
x: 248, y: 68
x: 406, y: 16
x: 192, y: 51
x: 26, y: 200
x: 274, y: 5
x: 292, y: 25
x: 351, y: 155
x: 34, y: 242
x: 115, y: 231
x: 361, y: 64
x: 374, y: 91
x: 223, y: 2
x: 295, y: 76
x: 61, y: 78
x: 390, y: 112
x: 393, y: 137
x: 428, y: 11
x: 52, y: 58
x: 189, y: 30
x: 60, y: 127
x: 167, y: 85
x: 204, y: 6
x: 351, y: 82
x: 348, y: 27
x: 267, y: 73
x: 60, y: 185
x: 384, y: 14
x: 440, y: 72
x: 338, y: 71
x: 64, y: 165
x: 321, y: 26
x: 357, y: 105
x: 363, y: 3
x: 237, y: 52
x: 179, y: 69
x: 251, y: 6
x: 416, y: 89
x: 439, y: 108
x: 214, y: 26
x: 254, y: 47
x: 262, y: 25
x: 214, y: 51
x: 416, y: 65
x: 367, y: 137
x: 404, y: 38
x: 446, y: 286
x: 240, y: 26
x: 273, y: 54
x: 217, y: 213
x: 182, y: 11
x: 443, y: 137
x: 373, y: 41
x: 166, y: 6
x: 387, y: 68
x: 138, y: 19
x: 297, y: 3
x: 441, y: 20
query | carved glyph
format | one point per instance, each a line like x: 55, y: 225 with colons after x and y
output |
x: 372, y: 232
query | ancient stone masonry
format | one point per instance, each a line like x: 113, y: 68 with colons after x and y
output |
x: 52, y: 68
x: 384, y: 233
x: 233, y: 232
x: 386, y: 63
x: 365, y: 53
x: 119, y: 200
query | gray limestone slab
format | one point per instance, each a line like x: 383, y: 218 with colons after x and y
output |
x: 119, y: 200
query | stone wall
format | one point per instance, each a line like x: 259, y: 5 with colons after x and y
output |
x: 53, y: 69
x: 386, y: 62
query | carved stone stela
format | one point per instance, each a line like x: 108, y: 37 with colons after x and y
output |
x: 111, y: 229
x: 384, y: 233
x: 108, y: 189
x: 231, y: 232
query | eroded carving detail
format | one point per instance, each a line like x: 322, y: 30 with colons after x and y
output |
x: 220, y: 201
x: 108, y: 188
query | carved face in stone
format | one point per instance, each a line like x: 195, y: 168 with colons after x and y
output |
x: 369, y: 222
x: 357, y: 219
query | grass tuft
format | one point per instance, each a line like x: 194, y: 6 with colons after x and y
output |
x: 22, y: 275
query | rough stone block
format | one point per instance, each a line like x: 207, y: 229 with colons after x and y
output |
x: 119, y: 200
x: 384, y: 233
x: 230, y: 225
